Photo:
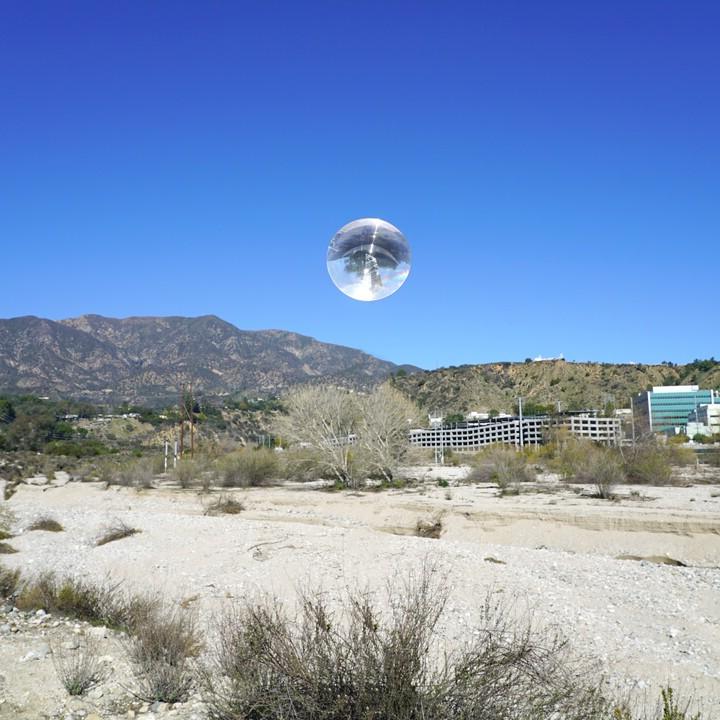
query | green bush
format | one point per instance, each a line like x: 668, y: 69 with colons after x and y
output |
x: 649, y: 463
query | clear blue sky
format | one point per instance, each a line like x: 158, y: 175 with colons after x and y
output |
x: 555, y: 167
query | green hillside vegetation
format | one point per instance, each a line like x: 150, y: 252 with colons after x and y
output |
x: 575, y: 385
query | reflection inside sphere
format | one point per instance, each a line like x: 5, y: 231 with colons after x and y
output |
x: 368, y: 259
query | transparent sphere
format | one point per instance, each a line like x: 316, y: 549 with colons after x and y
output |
x: 368, y: 259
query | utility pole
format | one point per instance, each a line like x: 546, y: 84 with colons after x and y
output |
x: 632, y: 419
x: 521, y: 422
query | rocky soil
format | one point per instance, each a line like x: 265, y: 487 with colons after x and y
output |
x: 635, y: 583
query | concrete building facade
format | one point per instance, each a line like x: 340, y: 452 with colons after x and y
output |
x: 473, y: 436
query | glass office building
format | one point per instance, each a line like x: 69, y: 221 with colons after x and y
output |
x: 665, y: 408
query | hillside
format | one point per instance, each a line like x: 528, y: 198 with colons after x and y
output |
x: 496, y: 386
x: 145, y: 359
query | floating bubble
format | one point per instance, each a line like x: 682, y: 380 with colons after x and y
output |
x: 368, y: 259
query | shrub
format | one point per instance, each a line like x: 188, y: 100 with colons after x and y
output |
x: 46, y: 523
x: 301, y: 465
x: 649, y: 463
x: 604, y: 469
x: 97, y: 604
x: 503, y: 466
x: 7, y: 520
x: 365, y: 663
x: 136, y: 473
x: 117, y: 530
x: 186, y: 472
x: 429, y: 528
x: 248, y: 468
x: 224, y: 505
x: 160, y: 652
x: 6, y: 549
x: 9, y: 581
x: 79, y: 669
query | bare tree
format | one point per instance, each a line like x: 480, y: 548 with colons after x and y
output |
x: 386, y: 417
x: 351, y: 434
x: 324, y: 418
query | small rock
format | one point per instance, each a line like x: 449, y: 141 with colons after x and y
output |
x: 100, y: 632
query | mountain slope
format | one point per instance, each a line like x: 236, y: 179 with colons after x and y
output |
x: 575, y: 385
x: 145, y: 359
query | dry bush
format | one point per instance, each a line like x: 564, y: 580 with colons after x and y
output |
x: 503, y: 466
x: 187, y: 471
x: 78, y: 669
x: 365, y: 663
x: 46, y: 523
x: 431, y: 528
x: 9, y: 581
x: 248, y: 468
x: 105, y: 604
x: 224, y: 505
x: 7, y: 520
x: 137, y: 473
x: 161, y: 650
x: 301, y: 465
x: 116, y: 530
x: 606, y: 474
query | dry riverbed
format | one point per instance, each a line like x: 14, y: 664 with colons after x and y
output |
x: 633, y: 582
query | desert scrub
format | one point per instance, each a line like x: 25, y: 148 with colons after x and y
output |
x: 7, y: 520
x: 161, y: 650
x: 368, y: 663
x: 188, y: 471
x: 105, y: 604
x: 9, y: 581
x: 137, y: 473
x: 46, y: 523
x: 116, y: 530
x: 248, y: 468
x: 431, y: 528
x: 503, y: 466
x: 301, y: 465
x: 224, y: 505
x: 78, y: 669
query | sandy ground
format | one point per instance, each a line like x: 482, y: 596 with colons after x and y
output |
x: 555, y: 552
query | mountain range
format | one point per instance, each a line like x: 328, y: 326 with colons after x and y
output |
x: 145, y: 360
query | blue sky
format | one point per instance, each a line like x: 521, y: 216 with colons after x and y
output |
x: 555, y: 167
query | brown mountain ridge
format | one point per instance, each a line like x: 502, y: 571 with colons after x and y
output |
x: 145, y: 359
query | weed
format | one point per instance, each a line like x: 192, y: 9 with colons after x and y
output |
x: 9, y: 581
x: 160, y: 652
x: 46, y: 523
x: 78, y: 669
x: 225, y: 505
x: 117, y: 530
x: 365, y: 663
x: 248, y: 468
x: 429, y: 528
